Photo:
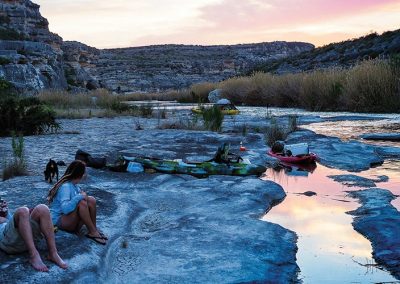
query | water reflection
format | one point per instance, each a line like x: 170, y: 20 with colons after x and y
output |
x: 330, y: 251
x: 347, y: 130
x: 296, y: 169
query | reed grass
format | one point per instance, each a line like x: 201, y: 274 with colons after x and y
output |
x: 275, y: 132
x: 17, y: 167
x: 213, y: 118
x: 190, y: 123
x: 369, y: 86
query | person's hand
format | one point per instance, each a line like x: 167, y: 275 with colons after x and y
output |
x: 84, y: 195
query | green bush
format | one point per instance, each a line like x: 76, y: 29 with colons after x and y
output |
x: 213, y: 118
x: 120, y: 107
x: 292, y: 123
x: 18, y: 166
x: 146, y: 110
x: 27, y: 116
x: 274, y: 133
x: 4, y: 61
x: 5, y: 87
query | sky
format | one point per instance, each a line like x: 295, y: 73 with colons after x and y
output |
x: 128, y: 23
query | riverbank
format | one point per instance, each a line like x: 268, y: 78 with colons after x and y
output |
x: 169, y: 227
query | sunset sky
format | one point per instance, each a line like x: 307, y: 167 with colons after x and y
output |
x: 124, y: 23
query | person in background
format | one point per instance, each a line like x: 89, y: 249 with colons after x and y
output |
x: 19, y: 232
x: 71, y: 208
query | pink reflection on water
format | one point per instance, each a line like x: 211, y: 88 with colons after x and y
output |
x: 329, y: 248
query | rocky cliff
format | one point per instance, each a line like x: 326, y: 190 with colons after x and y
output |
x: 162, y: 67
x: 33, y: 58
x: 342, y: 54
x: 30, y: 55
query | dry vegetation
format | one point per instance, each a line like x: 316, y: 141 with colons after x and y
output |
x: 369, y: 86
x: 98, y: 103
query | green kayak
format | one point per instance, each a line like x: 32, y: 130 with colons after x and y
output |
x: 199, y: 169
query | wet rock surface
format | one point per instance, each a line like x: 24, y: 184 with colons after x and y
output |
x: 354, y: 180
x: 382, y: 136
x: 172, y: 228
x: 164, y: 228
x: 379, y: 222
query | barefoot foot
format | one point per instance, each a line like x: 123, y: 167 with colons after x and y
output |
x: 57, y: 260
x: 37, y: 263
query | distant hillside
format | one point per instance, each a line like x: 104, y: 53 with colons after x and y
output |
x: 32, y: 58
x: 162, y: 67
x: 342, y: 54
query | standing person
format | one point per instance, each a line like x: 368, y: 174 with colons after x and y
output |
x: 72, y: 208
x: 19, y: 232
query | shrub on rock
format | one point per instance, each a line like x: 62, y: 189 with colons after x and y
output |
x: 26, y: 115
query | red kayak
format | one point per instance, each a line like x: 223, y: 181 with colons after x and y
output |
x: 294, y: 159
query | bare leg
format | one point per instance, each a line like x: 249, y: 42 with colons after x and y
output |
x: 92, y: 209
x: 41, y: 214
x: 71, y: 221
x: 22, y: 223
x: 93, y: 213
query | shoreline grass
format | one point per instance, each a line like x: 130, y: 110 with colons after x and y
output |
x: 369, y: 86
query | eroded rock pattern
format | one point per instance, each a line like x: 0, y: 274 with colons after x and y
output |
x: 162, y: 228
x: 379, y: 221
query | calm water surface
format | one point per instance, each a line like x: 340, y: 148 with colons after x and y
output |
x: 330, y: 250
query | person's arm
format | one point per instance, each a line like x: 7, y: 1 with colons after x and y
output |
x: 5, y: 219
x: 68, y: 204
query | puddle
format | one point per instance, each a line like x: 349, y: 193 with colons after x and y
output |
x: 330, y: 250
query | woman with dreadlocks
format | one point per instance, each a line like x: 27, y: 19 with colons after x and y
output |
x: 70, y: 207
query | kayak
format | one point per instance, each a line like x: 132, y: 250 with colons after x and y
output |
x: 224, y: 111
x: 308, y: 158
x: 199, y: 169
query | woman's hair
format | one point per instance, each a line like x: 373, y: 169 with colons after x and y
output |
x: 74, y: 171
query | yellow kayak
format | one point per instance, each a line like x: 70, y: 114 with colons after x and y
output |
x: 197, y: 110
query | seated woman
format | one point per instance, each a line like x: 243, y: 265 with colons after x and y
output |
x: 71, y: 207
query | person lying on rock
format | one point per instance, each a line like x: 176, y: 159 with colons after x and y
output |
x: 70, y: 207
x: 19, y: 232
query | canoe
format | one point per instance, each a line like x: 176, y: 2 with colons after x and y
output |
x: 294, y: 159
x: 198, y: 169
x: 224, y: 111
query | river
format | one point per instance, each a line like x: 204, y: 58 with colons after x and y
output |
x: 330, y: 250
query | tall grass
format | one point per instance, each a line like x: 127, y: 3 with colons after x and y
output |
x: 17, y: 167
x: 372, y: 86
x: 98, y: 103
x: 65, y: 100
x: 200, y: 91
x: 197, y: 93
x: 213, y: 118
x: 369, y: 86
x: 275, y: 132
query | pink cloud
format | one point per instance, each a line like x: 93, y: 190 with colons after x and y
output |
x: 238, y: 14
